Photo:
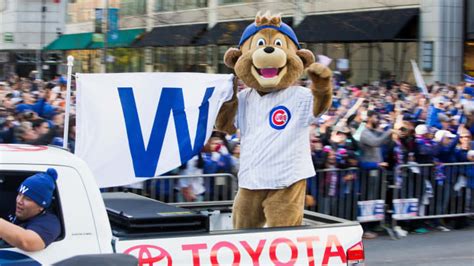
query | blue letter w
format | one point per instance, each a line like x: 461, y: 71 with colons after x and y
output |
x: 145, y: 160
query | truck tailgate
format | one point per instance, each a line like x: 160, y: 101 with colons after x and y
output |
x: 304, y: 245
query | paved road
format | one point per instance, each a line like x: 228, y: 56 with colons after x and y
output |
x: 455, y: 248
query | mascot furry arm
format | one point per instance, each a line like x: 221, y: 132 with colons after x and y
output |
x: 275, y: 67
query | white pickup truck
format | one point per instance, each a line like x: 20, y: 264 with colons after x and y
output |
x: 96, y: 223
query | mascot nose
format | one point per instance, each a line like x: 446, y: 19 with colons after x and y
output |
x: 269, y: 49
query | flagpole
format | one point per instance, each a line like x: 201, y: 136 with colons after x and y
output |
x: 106, y: 15
x: 420, y: 83
x: 70, y: 63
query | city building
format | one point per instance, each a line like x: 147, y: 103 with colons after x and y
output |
x: 26, y: 26
x: 367, y: 40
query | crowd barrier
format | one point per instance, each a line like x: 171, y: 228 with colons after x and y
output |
x: 426, y: 191
x: 219, y: 186
x: 418, y: 191
x: 352, y: 193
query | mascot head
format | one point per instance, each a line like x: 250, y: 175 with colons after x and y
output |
x: 269, y: 57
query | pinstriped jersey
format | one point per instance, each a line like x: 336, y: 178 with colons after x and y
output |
x: 274, y: 149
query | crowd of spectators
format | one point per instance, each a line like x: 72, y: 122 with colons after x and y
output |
x: 32, y: 111
x: 395, y: 124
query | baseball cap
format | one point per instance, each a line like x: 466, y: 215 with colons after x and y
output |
x: 421, y: 129
x: 440, y: 134
x: 62, y: 80
x: 469, y: 91
x: 438, y: 100
x: 283, y: 28
x: 40, y: 187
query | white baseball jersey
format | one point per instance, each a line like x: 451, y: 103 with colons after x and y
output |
x: 274, y: 149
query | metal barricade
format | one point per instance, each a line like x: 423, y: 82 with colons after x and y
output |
x: 425, y: 191
x: 219, y: 186
x: 352, y: 193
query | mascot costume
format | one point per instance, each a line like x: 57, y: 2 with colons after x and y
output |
x: 273, y: 116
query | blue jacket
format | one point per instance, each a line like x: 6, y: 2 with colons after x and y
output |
x: 222, y: 165
x: 467, y: 171
x: 41, y: 107
x: 446, y: 154
x: 432, y: 119
x: 425, y: 150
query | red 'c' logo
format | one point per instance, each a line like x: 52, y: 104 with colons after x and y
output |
x: 279, y: 117
x: 149, y: 255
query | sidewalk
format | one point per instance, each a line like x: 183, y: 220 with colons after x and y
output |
x: 454, y: 248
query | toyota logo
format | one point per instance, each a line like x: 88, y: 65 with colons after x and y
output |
x: 149, y: 255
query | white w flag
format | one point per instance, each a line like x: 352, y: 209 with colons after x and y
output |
x: 135, y: 126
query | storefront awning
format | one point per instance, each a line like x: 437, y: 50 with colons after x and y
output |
x: 125, y: 39
x: 228, y: 33
x: 83, y: 41
x: 224, y: 33
x: 381, y: 25
x: 79, y: 41
x: 183, y: 35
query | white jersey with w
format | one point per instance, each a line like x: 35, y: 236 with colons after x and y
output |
x: 275, y: 149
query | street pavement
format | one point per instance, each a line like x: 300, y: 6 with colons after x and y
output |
x: 454, y: 248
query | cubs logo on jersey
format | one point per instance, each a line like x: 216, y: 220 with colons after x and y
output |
x: 279, y: 117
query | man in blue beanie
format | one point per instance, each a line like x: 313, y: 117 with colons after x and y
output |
x: 32, y: 228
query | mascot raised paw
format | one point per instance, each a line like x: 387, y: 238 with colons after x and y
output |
x: 273, y: 116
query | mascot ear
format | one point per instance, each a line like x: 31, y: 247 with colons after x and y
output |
x: 306, y: 56
x: 231, y: 56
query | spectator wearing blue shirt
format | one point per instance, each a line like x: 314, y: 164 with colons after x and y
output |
x: 32, y: 228
x: 436, y: 109
x: 447, y: 141
x: 425, y: 147
x: 216, y: 156
x: 463, y: 153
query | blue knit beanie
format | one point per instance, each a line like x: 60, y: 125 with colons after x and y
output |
x: 40, y: 187
x: 469, y: 90
x: 284, y: 28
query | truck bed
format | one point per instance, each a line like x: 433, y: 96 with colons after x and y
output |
x: 321, y: 240
x: 185, y: 218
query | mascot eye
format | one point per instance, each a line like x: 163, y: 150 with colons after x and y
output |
x: 261, y: 42
x: 278, y: 42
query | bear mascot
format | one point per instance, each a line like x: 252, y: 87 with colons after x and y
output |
x: 273, y: 115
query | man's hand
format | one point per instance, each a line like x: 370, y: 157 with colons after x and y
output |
x: 309, y: 201
x: 383, y: 164
x: 188, y: 194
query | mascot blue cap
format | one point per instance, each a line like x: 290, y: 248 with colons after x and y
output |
x: 283, y: 28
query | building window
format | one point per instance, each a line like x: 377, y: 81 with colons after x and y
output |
x: 172, y: 5
x: 469, y: 58
x: 229, y: 2
x: 221, y: 67
x: 132, y: 7
x: 427, y: 63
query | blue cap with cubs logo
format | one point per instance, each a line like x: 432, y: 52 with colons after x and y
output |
x: 283, y: 28
x: 40, y: 187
